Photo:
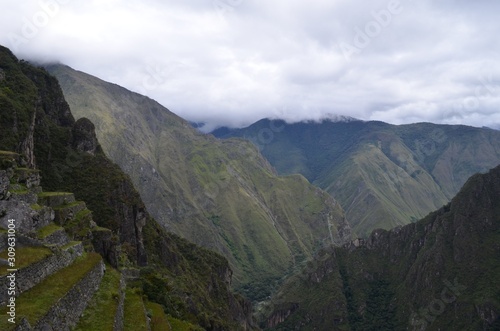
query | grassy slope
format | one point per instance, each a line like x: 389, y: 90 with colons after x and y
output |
x: 101, y: 311
x: 220, y: 194
x: 383, y: 175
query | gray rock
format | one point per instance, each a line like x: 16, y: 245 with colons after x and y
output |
x: 20, y: 212
x: 4, y: 184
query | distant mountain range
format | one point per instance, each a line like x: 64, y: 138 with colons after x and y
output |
x: 219, y: 194
x: 383, y: 175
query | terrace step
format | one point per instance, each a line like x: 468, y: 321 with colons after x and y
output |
x: 54, y: 199
x: 135, y: 318
x: 66, y: 212
x: 107, y: 303
x: 53, y: 234
x: 58, y: 302
x: 20, y: 193
x: 35, y: 264
x: 159, y: 320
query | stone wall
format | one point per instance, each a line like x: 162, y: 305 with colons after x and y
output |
x: 4, y: 184
x: 58, y: 238
x: 118, y: 325
x: 33, y: 274
x: 65, y: 314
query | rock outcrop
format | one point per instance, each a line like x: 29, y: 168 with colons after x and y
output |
x: 439, y: 273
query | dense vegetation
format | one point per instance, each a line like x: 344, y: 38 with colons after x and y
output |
x: 440, y: 273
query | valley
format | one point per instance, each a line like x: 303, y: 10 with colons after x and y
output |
x: 382, y: 175
x: 125, y: 210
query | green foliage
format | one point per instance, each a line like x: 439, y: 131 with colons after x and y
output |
x: 17, y: 101
x: 379, y: 314
x: 159, y: 321
x: 101, y: 311
x: 134, y: 312
x: 48, y: 230
x: 182, y: 325
x: 189, y: 282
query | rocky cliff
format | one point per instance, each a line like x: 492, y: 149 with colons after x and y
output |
x: 441, y: 273
x: 44, y: 145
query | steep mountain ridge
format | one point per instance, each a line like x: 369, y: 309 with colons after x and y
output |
x: 440, y: 273
x: 41, y: 143
x: 383, y: 175
x: 221, y: 194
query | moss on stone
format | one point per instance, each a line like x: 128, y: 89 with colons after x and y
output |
x: 48, y: 230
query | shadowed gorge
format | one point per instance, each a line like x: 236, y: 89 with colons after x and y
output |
x: 440, y: 273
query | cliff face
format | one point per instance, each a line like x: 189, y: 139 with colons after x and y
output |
x: 192, y: 283
x: 67, y: 152
x: 439, y: 273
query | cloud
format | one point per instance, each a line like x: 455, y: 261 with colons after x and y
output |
x: 232, y: 62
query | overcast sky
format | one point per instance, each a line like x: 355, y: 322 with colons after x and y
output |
x: 232, y: 62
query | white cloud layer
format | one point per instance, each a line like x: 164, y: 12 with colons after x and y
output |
x: 232, y: 62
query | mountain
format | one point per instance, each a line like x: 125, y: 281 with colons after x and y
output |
x: 221, y: 194
x: 382, y: 175
x: 88, y: 255
x: 440, y: 273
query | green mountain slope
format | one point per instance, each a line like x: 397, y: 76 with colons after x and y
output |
x: 383, y: 175
x: 220, y: 194
x: 39, y: 138
x: 440, y: 273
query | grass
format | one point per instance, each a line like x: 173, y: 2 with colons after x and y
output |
x: 22, y: 189
x: 53, y: 194
x: 134, y: 317
x: 179, y: 325
x: 48, y: 230
x: 36, y: 207
x: 70, y: 244
x: 68, y: 205
x: 36, y: 302
x: 81, y: 214
x: 101, y: 311
x: 159, y: 321
x: 7, y: 153
x: 25, y: 256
